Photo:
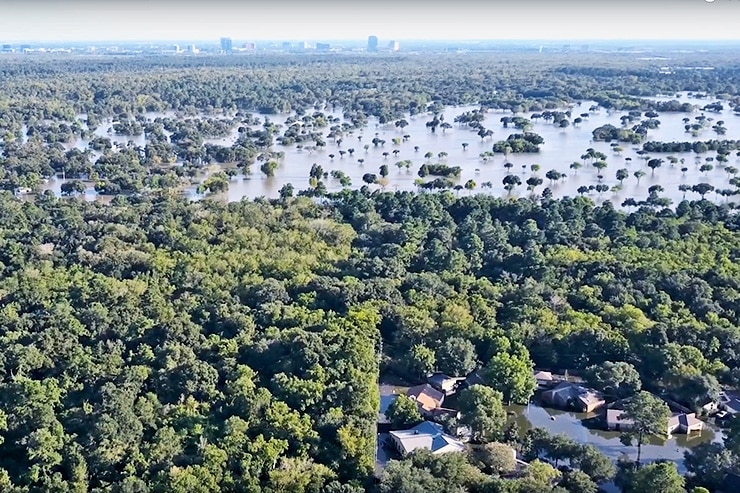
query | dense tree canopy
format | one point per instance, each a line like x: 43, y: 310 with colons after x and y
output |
x: 156, y: 344
x: 169, y: 330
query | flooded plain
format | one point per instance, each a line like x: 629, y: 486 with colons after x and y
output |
x: 460, y: 146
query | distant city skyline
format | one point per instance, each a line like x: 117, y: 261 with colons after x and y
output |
x: 162, y: 20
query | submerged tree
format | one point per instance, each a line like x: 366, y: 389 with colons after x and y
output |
x: 649, y: 416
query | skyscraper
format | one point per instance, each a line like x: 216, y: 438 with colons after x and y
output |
x: 226, y: 45
x: 372, y: 43
x: 394, y: 46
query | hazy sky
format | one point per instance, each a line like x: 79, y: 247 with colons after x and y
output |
x: 88, y: 20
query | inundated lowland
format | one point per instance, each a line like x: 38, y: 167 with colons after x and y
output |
x: 455, y: 272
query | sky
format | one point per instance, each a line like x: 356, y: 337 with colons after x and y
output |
x: 246, y: 20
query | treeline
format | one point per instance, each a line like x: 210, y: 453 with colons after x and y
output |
x: 698, y: 147
x: 385, y: 87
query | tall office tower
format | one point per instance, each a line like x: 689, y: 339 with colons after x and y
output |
x: 394, y: 46
x: 372, y: 43
x: 226, y: 45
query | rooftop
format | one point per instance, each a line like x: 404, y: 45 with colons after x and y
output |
x: 426, y: 396
x: 543, y: 375
x: 427, y: 435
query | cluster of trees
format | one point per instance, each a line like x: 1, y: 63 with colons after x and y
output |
x: 161, y: 345
x: 528, y: 142
x: 439, y: 170
x: 699, y: 147
x: 608, y: 133
x: 672, y: 106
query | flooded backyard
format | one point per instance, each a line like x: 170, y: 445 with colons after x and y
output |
x: 575, y: 426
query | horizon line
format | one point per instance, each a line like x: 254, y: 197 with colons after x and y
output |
x: 363, y: 40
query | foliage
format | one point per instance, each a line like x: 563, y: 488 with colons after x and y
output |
x: 708, y: 464
x: 528, y: 142
x: 201, y: 368
x: 482, y: 410
x: 494, y: 458
x: 649, y: 415
x: 403, y: 412
x: 659, y: 477
x: 512, y: 375
x: 620, y: 379
x: 456, y: 357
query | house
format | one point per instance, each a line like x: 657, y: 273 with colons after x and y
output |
x: 685, y: 424
x: 427, y: 398
x: 679, y: 423
x: 545, y: 380
x: 729, y: 402
x: 425, y: 435
x: 568, y: 395
x: 473, y: 378
x: 443, y: 383
x: 614, y: 421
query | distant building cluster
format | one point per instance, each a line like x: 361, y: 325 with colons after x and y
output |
x: 224, y: 45
x: 372, y: 44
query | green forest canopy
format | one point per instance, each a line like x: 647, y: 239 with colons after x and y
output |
x: 159, y: 342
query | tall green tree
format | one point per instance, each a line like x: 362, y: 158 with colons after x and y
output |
x: 456, y: 357
x: 660, y: 477
x: 619, y: 379
x: 481, y: 408
x: 404, y: 412
x: 512, y: 375
x: 650, y: 418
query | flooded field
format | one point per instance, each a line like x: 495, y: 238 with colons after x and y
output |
x: 460, y: 146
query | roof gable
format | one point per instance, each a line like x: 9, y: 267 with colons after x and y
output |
x: 427, y: 435
x: 426, y: 396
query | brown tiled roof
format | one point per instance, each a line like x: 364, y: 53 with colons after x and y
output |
x: 426, y: 396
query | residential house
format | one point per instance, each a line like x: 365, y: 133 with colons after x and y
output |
x: 474, y: 378
x: 430, y: 402
x: 425, y: 435
x: 427, y: 398
x: 729, y: 402
x: 685, y: 424
x: 568, y: 395
x: 443, y: 383
x: 676, y: 424
x: 614, y: 421
x: 545, y: 380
